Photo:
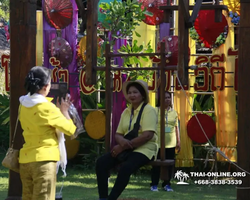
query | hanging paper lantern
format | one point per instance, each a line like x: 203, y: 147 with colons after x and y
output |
x: 194, y: 130
x: 152, y: 7
x: 233, y: 5
x: 58, y: 13
x: 61, y: 50
x: 209, y: 30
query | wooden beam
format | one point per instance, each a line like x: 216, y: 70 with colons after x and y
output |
x: 108, y: 98
x: 182, y: 68
x: 23, y: 57
x: 195, y: 12
x: 218, y: 13
x: 243, y: 191
x: 185, y: 13
x: 91, y: 50
x: 203, y: 7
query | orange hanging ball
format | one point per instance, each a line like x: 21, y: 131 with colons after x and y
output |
x: 194, y: 130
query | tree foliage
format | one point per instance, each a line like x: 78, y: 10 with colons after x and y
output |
x: 4, y: 9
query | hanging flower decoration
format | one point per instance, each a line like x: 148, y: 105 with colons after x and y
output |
x: 235, y: 18
x: 207, y: 32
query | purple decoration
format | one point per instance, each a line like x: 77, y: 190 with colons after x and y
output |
x: 70, y: 35
x: 164, y: 30
x: 119, y: 102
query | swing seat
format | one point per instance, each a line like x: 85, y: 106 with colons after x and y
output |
x: 166, y: 162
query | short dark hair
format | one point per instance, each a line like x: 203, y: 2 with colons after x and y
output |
x: 159, y: 98
x: 139, y: 88
x: 36, y: 79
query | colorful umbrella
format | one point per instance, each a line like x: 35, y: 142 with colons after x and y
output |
x: 58, y: 13
x: 61, y: 50
x: 152, y: 7
x: 194, y: 130
x: 171, y: 47
x: 83, y: 45
x: 207, y: 28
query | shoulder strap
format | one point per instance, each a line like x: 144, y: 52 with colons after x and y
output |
x: 14, y: 135
x: 137, y: 123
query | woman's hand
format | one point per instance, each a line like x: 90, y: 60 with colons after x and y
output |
x: 126, y: 144
x: 178, y: 147
x: 64, y: 106
x: 116, y: 150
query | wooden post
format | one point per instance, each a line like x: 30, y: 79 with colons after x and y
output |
x: 91, y: 50
x: 243, y: 191
x: 108, y: 97
x: 23, y: 57
x: 162, y: 100
x: 182, y: 68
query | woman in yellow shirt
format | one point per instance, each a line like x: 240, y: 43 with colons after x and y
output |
x: 172, y: 142
x: 144, y: 147
x: 39, y: 120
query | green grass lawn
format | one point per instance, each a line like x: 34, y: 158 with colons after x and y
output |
x: 81, y: 185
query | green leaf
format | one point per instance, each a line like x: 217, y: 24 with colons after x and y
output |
x: 137, y: 34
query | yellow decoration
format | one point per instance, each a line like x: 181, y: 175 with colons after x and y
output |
x: 147, y: 34
x: 182, y: 107
x: 72, y: 147
x: 233, y: 5
x: 39, y: 38
x: 224, y: 104
x: 95, y: 124
x: 83, y: 46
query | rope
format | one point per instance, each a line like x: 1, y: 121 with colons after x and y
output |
x: 211, y: 148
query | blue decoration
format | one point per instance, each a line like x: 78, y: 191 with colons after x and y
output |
x: 235, y: 17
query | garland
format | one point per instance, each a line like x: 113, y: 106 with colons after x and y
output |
x: 221, y: 39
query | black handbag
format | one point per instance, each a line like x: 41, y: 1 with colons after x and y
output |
x: 130, y: 136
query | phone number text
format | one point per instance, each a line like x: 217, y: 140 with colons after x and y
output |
x: 218, y: 182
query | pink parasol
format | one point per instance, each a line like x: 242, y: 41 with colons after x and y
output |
x: 61, y: 50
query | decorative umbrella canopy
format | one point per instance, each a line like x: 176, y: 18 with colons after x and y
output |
x: 194, y: 130
x: 61, y: 50
x: 207, y: 28
x: 233, y: 5
x: 171, y: 47
x: 58, y: 13
x: 83, y: 45
x: 152, y: 7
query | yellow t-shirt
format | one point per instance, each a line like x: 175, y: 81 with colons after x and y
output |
x: 39, y: 124
x: 170, y: 136
x: 147, y: 123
